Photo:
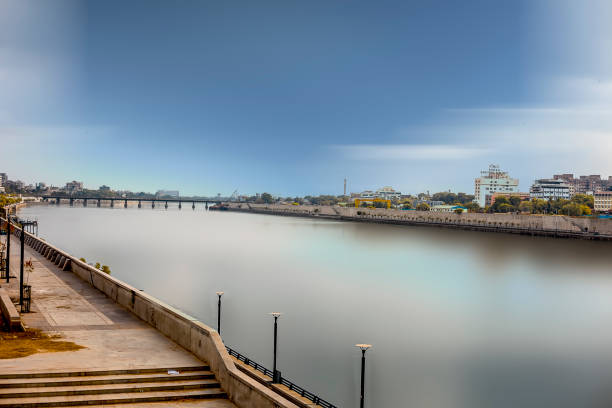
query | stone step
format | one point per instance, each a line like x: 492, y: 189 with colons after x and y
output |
x: 31, y: 392
x: 87, y: 373
x: 105, y: 399
x: 104, y: 379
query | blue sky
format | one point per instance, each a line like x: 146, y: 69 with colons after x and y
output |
x: 291, y: 97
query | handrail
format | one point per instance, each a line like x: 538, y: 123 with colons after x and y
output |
x: 289, y: 384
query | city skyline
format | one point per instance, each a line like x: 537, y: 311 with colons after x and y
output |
x: 417, y: 96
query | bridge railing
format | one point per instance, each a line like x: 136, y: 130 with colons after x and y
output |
x: 289, y: 384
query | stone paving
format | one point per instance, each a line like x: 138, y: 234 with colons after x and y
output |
x: 113, y: 338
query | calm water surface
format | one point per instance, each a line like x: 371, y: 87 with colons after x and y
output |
x: 457, y: 319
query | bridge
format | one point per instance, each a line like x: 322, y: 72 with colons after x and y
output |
x: 99, y: 200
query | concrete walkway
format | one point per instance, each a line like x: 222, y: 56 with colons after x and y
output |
x: 113, y: 338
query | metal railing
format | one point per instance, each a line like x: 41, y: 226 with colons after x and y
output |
x: 292, y: 386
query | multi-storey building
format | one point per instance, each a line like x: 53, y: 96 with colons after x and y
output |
x: 550, y: 189
x: 74, y: 186
x: 3, y: 178
x: 602, y: 201
x: 584, y: 184
x: 492, y: 181
x: 386, y: 193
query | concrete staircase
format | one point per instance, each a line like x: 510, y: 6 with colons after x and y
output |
x: 87, y: 388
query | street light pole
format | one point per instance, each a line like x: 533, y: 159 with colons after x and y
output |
x: 22, y: 236
x: 275, y: 373
x: 219, y: 313
x: 364, y: 348
x: 8, y: 248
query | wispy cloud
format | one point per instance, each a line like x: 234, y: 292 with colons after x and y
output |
x: 411, y: 152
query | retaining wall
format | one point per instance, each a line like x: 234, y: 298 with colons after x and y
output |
x: 545, y: 225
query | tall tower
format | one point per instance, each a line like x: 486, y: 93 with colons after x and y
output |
x: 345, y: 187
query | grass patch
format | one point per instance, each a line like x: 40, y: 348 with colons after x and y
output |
x: 32, y: 341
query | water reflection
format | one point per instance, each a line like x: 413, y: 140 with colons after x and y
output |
x: 457, y: 318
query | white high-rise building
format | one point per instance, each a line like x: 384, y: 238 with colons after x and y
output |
x: 550, y: 189
x: 492, y: 181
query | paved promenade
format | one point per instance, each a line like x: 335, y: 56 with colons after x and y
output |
x: 112, y: 337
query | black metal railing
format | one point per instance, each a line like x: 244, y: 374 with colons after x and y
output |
x: 293, y: 387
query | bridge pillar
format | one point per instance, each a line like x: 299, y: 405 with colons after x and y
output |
x: 166, y: 206
x: 98, y: 204
x: 71, y: 202
x: 57, y: 201
x: 112, y: 203
x: 152, y: 204
x: 84, y: 202
x: 193, y: 206
x: 125, y: 204
x: 206, y: 205
x: 180, y: 206
x: 139, y: 204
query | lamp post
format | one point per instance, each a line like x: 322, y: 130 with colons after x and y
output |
x: 8, y: 248
x: 219, y: 294
x: 276, y: 375
x: 364, y: 348
x: 22, y: 239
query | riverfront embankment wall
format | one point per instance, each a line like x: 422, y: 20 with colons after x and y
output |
x: 193, y: 335
x: 540, y: 225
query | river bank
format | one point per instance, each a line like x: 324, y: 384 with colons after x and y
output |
x: 557, y: 226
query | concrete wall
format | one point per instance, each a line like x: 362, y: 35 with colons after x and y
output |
x: 585, y: 227
x: 193, y: 335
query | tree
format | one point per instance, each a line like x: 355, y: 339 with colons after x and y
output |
x: 515, y: 201
x: 6, y: 199
x: 423, y: 207
x: 539, y: 206
x: 473, y: 207
x: 584, y: 199
x: 505, y: 207
x: 571, y: 209
x: 526, y: 207
x: 267, y: 198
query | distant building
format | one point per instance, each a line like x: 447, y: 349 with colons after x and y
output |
x: 430, y: 203
x: 104, y: 188
x: 74, y: 187
x: 491, y: 198
x: 167, y: 193
x: 448, y: 208
x: 602, y: 201
x: 492, y: 181
x: 550, y: 189
x: 386, y: 193
x: 585, y: 184
x: 3, y: 178
x: 14, y: 185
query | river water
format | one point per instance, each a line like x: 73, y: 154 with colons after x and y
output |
x: 457, y: 319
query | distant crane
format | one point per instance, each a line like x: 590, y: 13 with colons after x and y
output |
x: 234, y: 196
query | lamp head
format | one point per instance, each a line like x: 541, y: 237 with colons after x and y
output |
x: 363, y: 347
x: 219, y: 293
x: 276, y: 314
